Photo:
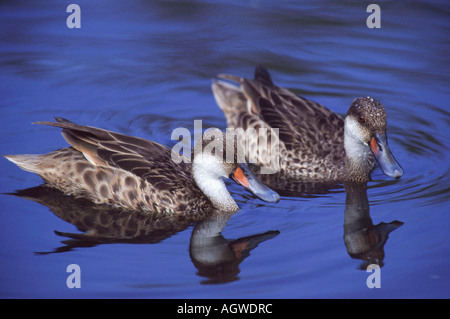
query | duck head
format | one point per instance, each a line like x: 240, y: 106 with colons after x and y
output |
x: 215, y: 156
x: 365, y: 133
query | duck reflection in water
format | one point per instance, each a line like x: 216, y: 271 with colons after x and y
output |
x: 362, y: 238
x: 215, y: 257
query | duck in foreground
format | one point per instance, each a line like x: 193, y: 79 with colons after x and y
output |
x: 315, y: 144
x: 138, y: 174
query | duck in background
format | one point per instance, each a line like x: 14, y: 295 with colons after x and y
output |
x: 315, y: 144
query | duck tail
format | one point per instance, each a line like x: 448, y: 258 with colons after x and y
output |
x: 228, y: 96
x: 27, y: 162
x: 230, y: 99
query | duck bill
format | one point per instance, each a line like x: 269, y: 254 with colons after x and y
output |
x: 384, y: 157
x: 245, y: 177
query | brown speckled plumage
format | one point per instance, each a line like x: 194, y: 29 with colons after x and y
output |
x: 124, y: 171
x: 311, y: 136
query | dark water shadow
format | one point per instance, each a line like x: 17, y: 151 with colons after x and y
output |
x: 363, y: 239
x: 216, y: 258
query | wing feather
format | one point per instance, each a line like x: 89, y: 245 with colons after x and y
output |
x: 141, y: 157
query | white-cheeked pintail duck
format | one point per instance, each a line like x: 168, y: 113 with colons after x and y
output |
x: 137, y: 174
x: 315, y: 144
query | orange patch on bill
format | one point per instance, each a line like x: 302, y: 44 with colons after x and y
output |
x: 374, y: 146
x: 240, y: 176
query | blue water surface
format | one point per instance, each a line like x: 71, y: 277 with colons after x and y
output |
x: 144, y: 68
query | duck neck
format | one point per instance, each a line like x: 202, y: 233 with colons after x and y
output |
x: 214, y: 188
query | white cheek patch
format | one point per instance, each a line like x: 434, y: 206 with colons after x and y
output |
x: 355, y: 147
x: 353, y: 129
x: 208, y: 172
x: 209, y: 165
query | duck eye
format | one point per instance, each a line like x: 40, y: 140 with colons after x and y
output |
x: 361, y: 119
